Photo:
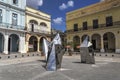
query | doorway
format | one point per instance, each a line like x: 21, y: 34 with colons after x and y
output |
x: 94, y: 44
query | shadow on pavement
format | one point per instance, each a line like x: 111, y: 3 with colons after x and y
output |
x: 76, y: 62
x: 42, y: 61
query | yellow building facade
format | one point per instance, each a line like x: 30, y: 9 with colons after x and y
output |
x: 38, y: 26
x: 100, y: 22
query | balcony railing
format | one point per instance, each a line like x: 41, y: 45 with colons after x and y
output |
x: 10, y: 26
x: 39, y: 29
x: 100, y: 26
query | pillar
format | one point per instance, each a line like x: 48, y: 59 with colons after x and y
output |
x: 27, y: 46
x: 90, y: 39
x: 117, y: 40
x: 20, y: 44
x: 102, y: 45
x: 22, y: 47
x: 6, y: 45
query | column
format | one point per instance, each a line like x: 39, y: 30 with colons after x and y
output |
x: 27, y: 46
x: 22, y: 48
x: 117, y: 40
x: 20, y: 45
x: 6, y: 45
x: 27, y: 42
x: 102, y: 45
x: 80, y: 40
x: 90, y: 38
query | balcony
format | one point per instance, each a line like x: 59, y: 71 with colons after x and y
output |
x: 38, y: 29
x: 11, y: 27
x: 100, y: 26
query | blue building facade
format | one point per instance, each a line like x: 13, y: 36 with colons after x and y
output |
x: 12, y: 26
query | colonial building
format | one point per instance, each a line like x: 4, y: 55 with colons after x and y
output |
x: 12, y: 24
x: 100, y: 21
x: 38, y: 26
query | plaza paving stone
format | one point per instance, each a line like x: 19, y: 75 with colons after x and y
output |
x: 72, y: 69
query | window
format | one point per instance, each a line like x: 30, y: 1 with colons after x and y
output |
x: 43, y: 24
x: 0, y: 16
x: 15, y: 1
x: 75, y: 27
x: 14, y: 19
x: 33, y: 23
x: 84, y: 25
x: 95, y: 23
x: 32, y: 27
x: 109, y: 21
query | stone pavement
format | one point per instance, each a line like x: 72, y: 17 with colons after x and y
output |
x: 32, y: 68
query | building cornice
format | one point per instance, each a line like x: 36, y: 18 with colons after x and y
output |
x: 92, y: 9
x: 37, y: 16
x: 11, y: 6
x: 10, y: 29
x: 37, y: 33
x: 38, y: 11
x: 77, y: 17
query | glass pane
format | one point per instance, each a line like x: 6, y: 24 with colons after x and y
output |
x: 0, y: 15
x: 15, y: 1
x: 84, y: 25
x: 14, y: 19
x: 109, y: 21
x: 75, y: 27
x: 95, y: 23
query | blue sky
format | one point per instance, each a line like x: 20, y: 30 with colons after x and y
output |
x: 58, y: 8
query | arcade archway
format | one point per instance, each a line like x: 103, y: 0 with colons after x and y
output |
x: 109, y: 42
x: 1, y: 43
x: 96, y: 42
x: 13, y: 43
x: 33, y: 44
x: 76, y: 43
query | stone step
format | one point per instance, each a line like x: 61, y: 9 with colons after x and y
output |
x: 18, y: 55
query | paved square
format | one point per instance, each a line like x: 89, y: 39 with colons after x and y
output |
x: 72, y: 69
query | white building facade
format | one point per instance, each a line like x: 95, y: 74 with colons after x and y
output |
x: 12, y: 25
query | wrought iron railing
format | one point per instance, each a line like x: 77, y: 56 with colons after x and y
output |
x: 100, y: 26
x: 39, y: 29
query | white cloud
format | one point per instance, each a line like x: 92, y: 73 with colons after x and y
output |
x: 34, y: 3
x: 63, y: 6
x: 102, y: 0
x: 58, y: 20
x: 40, y: 2
x: 70, y: 3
